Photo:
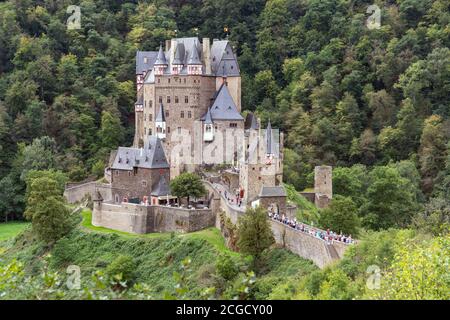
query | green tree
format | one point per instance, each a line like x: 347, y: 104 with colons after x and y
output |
x: 391, y: 201
x: 341, y: 216
x: 111, y: 131
x: 187, y: 185
x: 254, y: 232
x: 45, y: 207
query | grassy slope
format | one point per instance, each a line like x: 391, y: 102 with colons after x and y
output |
x: 11, y: 229
x: 157, y: 256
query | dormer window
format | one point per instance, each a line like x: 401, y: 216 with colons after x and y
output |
x: 145, y: 59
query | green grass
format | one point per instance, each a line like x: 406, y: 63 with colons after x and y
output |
x: 211, y: 235
x: 11, y: 229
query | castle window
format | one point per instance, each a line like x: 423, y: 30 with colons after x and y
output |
x: 150, y: 103
x: 167, y: 114
x: 159, y: 80
x: 168, y: 129
x: 129, y: 173
x: 117, y: 198
x: 233, y: 125
x: 168, y: 99
x: 160, y: 99
x: 168, y: 80
x: 150, y: 117
x: 232, y: 67
x: 135, y: 170
x: 186, y: 99
x: 176, y: 99
x: 182, y: 114
x: 208, y: 128
x: 145, y: 130
x: 184, y: 80
x: 150, y: 131
x: 145, y: 117
x: 189, y: 114
x: 117, y: 172
x: 144, y: 183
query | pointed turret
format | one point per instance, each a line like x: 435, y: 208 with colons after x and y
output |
x: 161, y: 58
x: 160, y: 123
x: 208, y: 127
x: 194, y: 63
x: 161, y: 62
x: 269, y: 140
x: 179, y: 55
x: 194, y: 58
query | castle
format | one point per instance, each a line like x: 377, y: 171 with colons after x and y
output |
x: 188, y: 119
x: 188, y: 115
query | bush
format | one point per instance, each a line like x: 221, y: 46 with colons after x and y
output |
x: 122, y: 268
x: 225, y: 267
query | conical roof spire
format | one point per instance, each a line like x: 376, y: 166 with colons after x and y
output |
x: 194, y: 59
x: 160, y: 117
x: 179, y: 54
x: 161, y: 58
x: 254, y: 124
x: 269, y: 139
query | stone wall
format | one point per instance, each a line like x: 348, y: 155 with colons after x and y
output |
x: 134, y: 218
x: 76, y: 193
x: 305, y: 245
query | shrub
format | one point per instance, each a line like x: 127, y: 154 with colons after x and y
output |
x: 225, y: 267
x: 122, y: 268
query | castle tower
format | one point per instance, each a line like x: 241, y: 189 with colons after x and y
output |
x: 177, y: 63
x: 161, y: 62
x: 160, y: 123
x: 194, y: 64
x: 323, y: 185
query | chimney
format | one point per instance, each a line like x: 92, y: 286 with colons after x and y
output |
x: 167, y: 45
x: 173, y: 47
x: 207, y: 55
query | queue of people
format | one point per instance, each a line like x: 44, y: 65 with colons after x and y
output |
x: 328, y: 236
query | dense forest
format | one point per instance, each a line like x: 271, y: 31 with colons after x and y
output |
x: 372, y: 102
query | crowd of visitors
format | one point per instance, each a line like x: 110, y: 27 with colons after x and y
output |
x: 328, y: 236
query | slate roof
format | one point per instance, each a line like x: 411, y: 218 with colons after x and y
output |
x: 161, y: 58
x: 208, y: 118
x: 162, y: 188
x: 224, y: 107
x: 251, y: 122
x: 277, y: 191
x: 223, y: 60
x: 194, y: 58
x: 160, y: 117
x: 141, y: 66
x: 179, y: 54
x: 151, y: 156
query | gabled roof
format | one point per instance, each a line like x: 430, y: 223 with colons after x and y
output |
x: 141, y: 65
x: 277, y: 191
x: 162, y: 188
x: 160, y: 117
x: 161, y: 58
x: 269, y: 139
x: 151, y: 156
x: 194, y: 58
x: 224, y: 107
